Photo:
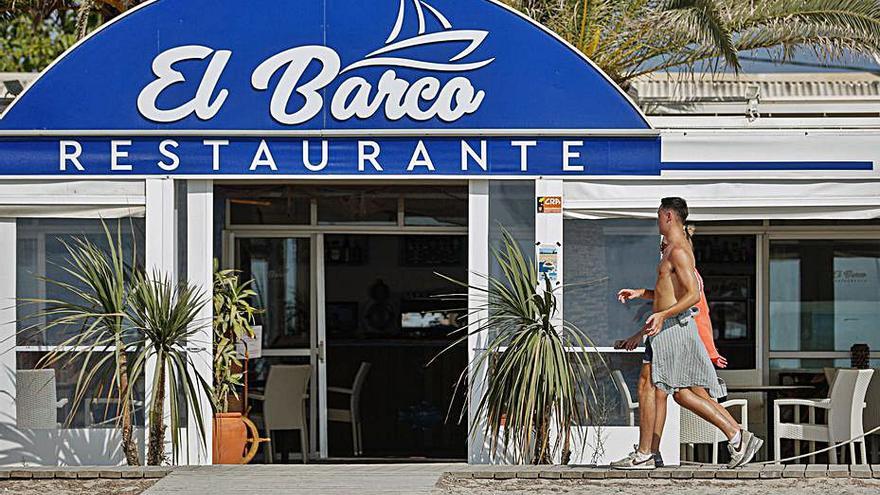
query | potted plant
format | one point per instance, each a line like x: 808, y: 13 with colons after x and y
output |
x: 535, y: 389
x: 233, y: 320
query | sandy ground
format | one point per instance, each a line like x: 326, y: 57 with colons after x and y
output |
x: 822, y: 486
x: 75, y: 487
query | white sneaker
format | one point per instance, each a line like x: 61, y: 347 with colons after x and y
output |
x: 749, y: 445
x: 635, y: 460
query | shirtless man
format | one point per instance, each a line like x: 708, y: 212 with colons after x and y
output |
x: 676, y: 361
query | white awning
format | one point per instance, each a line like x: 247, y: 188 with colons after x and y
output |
x: 730, y: 200
x: 71, y: 211
x: 102, y: 198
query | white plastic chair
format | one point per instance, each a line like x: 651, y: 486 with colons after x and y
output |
x: 871, y: 416
x: 36, y: 399
x: 696, y: 430
x: 845, y: 407
x: 871, y: 419
x: 284, y: 404
x: 629, y: 407
x: 353, y: 413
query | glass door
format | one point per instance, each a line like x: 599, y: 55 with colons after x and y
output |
x: 289, y: 287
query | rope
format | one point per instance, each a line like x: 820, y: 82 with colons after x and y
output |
x: 808, y: 454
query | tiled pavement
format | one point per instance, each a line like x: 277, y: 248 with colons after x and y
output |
x: 312, y: 479
x: 410, y: 479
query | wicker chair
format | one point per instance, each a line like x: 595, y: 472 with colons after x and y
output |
x: 352, y: 415
x: 845, y: 406
x: 871, y: 415
x: 695, y: 430
x: 629, y: 407
x: 284, y: 405
x: 36, y: 401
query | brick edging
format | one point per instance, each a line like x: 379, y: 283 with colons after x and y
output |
x: 85, y: 472
x: 756, y: 472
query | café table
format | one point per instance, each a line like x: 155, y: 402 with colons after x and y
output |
x: 772, y: 392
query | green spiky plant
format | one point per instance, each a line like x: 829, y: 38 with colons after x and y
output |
x: 165, y: 314
x: 535, y: 386
x: 630, y: 38
x: 95, y: 304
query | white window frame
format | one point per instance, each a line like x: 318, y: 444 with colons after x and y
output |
x: 80, y: 445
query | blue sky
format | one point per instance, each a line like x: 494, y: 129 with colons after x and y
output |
x: 806, y: 61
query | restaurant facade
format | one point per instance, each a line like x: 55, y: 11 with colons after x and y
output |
x: 341, y: 154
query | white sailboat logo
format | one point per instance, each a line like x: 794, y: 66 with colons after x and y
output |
x: 385, y: 56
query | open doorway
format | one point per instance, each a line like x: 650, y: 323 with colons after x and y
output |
x: 385, y: 310
x: 347, y: 278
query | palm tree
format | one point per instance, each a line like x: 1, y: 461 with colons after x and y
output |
x: 630, y: 38
x: 164, y: 314
x: 95, y: 303
x: 40, y: 10
x: 536, y: 385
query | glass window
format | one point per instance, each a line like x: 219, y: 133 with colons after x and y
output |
x: 427, y: 206
x: 610, y: 404
x: 356, y: 204
x: 392, y: 288
x: 811, y: 372
x: 727, y: 264
x: 435, y: 206
x: 98, y: 405
x: 511, y: 207
x: 823, y: 223
x: 182, y: 214
x: 41, y: 254
x: 602, y: 257
x: 268, y: 205
x: 280, y: 268
x: 824, y: 294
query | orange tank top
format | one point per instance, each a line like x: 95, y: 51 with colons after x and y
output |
x: 704, y: 323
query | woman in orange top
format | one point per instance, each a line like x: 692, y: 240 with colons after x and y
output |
x: 704, y: 322
x: 704, y: 326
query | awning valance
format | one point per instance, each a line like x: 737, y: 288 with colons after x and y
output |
x: 729, y: 200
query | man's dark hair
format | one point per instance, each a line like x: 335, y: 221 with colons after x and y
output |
x: 677, y: 205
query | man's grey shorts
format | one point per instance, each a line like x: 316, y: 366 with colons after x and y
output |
x: 679, y: 359
x: 681, y: 318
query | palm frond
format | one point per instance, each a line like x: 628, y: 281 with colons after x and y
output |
x: 630, y: 38
x: 537, y: 377
x: 703, y: 22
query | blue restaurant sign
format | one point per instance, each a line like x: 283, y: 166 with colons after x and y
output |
x: 325, y: 87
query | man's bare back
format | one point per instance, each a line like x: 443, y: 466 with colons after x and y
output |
x: 669, y: 290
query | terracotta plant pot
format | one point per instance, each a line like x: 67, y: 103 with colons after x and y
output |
x: 230, y: 438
